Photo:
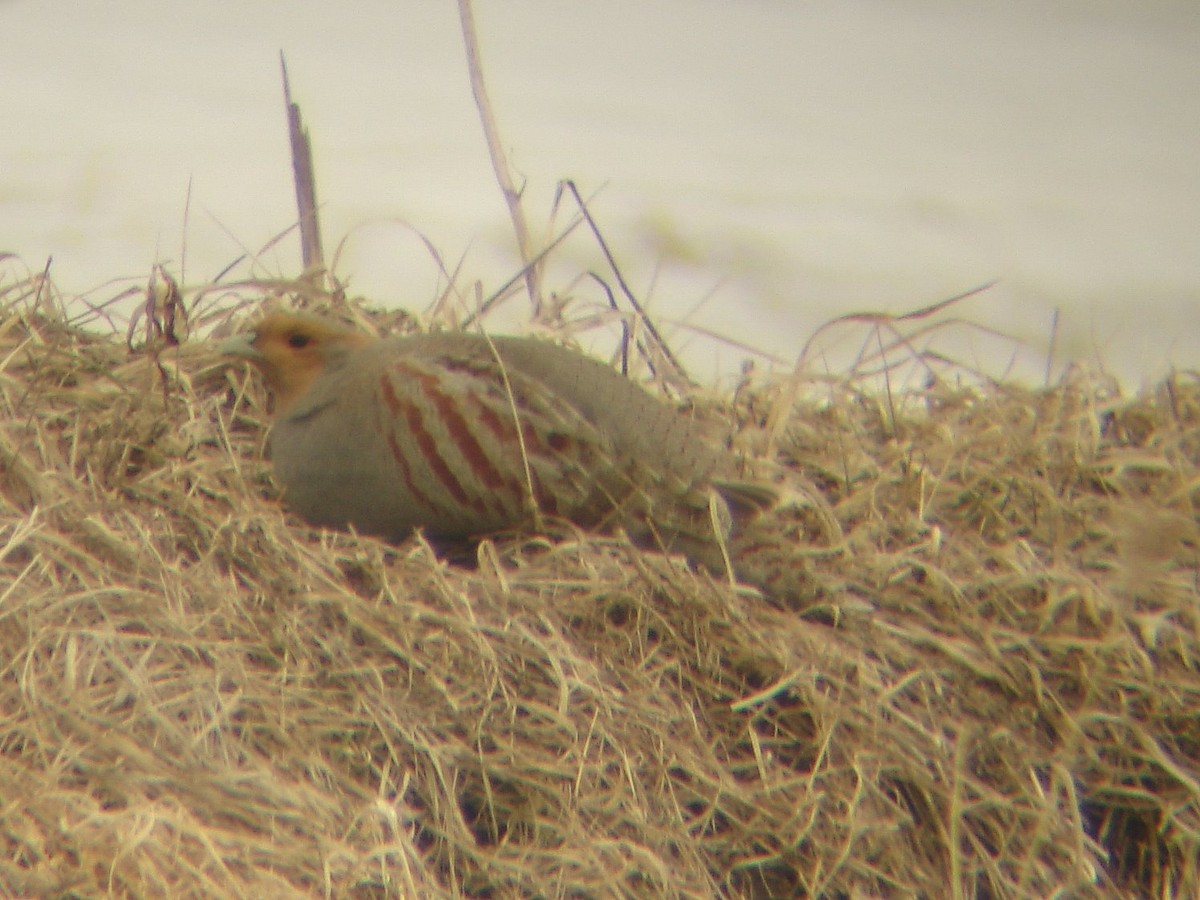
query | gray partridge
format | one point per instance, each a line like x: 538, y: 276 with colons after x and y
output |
x: 463, y: 434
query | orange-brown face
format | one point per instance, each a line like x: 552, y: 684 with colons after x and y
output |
x: 292, y: 350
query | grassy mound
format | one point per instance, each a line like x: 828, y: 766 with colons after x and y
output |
x: 994, y: 693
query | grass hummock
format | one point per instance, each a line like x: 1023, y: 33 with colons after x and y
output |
x: 994, y: 691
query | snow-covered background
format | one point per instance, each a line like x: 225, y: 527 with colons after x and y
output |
x: 764, y: 165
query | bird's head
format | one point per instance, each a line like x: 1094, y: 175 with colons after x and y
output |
x: 292, y: 350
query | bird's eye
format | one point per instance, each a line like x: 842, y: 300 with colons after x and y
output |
x: 298, y: 340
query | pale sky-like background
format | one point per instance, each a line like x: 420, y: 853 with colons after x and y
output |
x: 765, y: 165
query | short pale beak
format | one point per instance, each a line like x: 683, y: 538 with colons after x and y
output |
x: 240, y: 345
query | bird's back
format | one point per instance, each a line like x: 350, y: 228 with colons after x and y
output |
x: 638, y: 423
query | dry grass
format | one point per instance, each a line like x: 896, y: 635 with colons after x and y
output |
x: 995, y: 691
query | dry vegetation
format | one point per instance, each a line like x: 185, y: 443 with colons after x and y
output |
x: 993, y: 693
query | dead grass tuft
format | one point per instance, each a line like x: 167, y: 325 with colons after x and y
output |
x: 995, y: 693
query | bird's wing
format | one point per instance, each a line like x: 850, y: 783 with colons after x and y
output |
x: 477, y: 444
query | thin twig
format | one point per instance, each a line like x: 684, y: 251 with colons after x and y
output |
x: 502, y: 291
x: 625, y: 289
x: 304, y: 179
x: 44, y: 283
x: 1053, y: 347
x: 531, y: 268
x: 187, y: 213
